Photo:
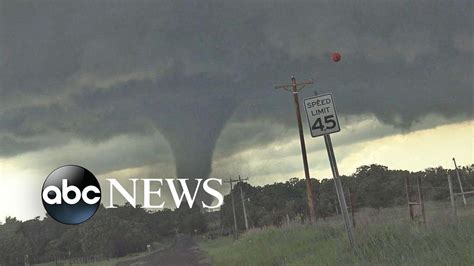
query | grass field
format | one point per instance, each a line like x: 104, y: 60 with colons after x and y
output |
x: 381, y: 240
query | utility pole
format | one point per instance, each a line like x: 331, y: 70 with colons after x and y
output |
x: 243, y: 202
x: 460, y: 184
x: 236, y: 232
x: 294, y: 88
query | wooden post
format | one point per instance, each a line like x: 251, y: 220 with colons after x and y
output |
x: 451, y: 194
x: 460, y: 184
x: 243, y: 203
x: 407, y: 186
x: 236, y: 231
x: 309, y: 186
x: 420, y: 199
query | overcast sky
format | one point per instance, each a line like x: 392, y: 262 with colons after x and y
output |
x: 185, y: 88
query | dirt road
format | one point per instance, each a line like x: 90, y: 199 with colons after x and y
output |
x: 184, y: 252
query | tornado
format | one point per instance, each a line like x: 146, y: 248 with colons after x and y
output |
x: 191, y: 120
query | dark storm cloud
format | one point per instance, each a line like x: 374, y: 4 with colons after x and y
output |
x: 185, y: 68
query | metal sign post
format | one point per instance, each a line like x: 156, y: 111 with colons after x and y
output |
x: 322, y: 119
x: 339, y: 190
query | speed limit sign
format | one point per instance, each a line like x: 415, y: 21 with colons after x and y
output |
x: 321, y: 113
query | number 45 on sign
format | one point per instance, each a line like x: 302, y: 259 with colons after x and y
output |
x: 321, y: 114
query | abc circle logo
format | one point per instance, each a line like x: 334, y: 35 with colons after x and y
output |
x: 71, y: 194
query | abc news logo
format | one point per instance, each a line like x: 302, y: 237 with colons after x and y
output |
x: 71, y: 194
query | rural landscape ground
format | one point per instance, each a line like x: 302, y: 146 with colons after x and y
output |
x: 383, y: 237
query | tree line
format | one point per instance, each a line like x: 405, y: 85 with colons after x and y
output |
x: 109, y: 233
x: 372, y: 186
